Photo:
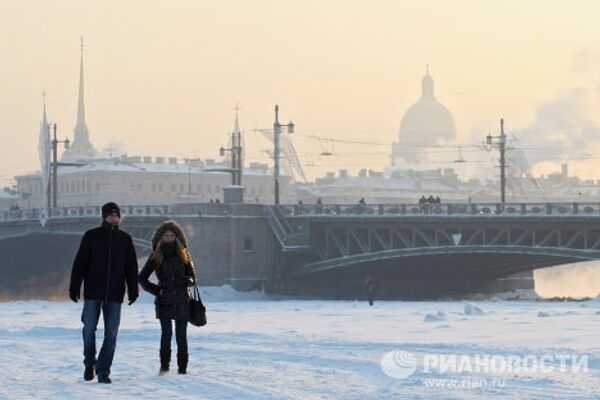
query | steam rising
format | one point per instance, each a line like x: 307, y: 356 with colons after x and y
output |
x: 575, y: 280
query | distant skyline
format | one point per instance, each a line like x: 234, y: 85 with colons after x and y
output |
x: 163, y: 78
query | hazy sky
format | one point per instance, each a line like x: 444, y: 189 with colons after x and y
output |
x: 163, y: 77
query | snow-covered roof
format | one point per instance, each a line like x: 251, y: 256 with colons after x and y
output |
x: 5, y: 195
x: 387, y: 184
x: 121, y: 166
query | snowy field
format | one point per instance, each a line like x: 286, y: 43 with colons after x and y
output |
x: 291, y: 349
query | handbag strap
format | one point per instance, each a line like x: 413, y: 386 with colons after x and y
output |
x: 193, y: 266
x: 196, y: 292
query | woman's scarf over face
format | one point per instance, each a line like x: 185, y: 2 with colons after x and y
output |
x: 169, y: 249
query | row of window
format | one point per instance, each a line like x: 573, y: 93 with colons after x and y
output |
x: 85, y: 186
x: 198, y: 188
x: 77, y: 186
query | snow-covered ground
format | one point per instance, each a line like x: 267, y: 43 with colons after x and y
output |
x: 258, y: 348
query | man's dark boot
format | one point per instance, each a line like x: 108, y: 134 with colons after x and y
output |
x: 165, y: 360
x: 182, y: 362
x: 103, y: 378
x: 88, y: 374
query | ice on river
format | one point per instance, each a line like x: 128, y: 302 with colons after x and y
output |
x: 259, y: 348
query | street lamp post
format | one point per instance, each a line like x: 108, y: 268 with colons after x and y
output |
x: 49, y: 189
x: 277, y: 150
x: 55, y: 165
x: 189, y: 163
x: 499, y: 142
x: 27, y: 196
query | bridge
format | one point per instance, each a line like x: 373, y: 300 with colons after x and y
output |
x: 468, y: 244
x: 141, y: 222
x: 38, y: 246
x: 332, y: 248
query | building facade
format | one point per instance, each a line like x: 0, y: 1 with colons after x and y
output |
x: 85, y: 178
x: 149, y: 181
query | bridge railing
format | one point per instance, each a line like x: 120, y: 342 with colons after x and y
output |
x: 441, y: 209
x: 444, y: 209
x: 81, y: 212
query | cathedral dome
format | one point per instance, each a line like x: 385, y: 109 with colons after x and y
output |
x: 426, y: 122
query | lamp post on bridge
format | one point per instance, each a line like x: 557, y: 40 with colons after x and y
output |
x: 277, y: 150
x: 499, y: 142
x: 55, y: 165
x: 27, y: 196
x: 189, y: 162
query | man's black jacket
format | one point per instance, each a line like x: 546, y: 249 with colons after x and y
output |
x: 105, y: 260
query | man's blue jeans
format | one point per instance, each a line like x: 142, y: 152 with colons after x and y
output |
x: 111, y: 311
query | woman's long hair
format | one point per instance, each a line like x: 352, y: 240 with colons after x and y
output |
x: 182, y: 252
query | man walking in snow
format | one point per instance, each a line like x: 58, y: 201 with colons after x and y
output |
x: 105, y: 262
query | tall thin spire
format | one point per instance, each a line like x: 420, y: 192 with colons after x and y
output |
x: 45, y: 119
x: 236, y: 127
x: 81, y: 147
x: 44, y: 147
x: 81, y: 102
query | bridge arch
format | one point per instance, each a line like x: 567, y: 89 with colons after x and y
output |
x: 453, y: 261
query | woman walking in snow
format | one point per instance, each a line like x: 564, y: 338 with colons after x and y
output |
x: 171, y: 263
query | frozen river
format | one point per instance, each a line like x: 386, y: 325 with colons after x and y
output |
x: 292, y: 349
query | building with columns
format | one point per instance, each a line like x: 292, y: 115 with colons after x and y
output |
x: 149, y: 181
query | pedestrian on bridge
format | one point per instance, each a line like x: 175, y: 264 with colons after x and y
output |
x: 105, y: 263
x: 170, y: 261
x: 423, y: 204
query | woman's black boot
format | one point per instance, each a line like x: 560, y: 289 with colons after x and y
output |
x: 182, y: 362
x: 165, y: 360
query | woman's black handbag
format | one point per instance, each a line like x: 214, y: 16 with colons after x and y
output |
x: 197, y: 309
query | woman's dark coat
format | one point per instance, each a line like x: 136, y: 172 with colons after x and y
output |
x: 174, y: 277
